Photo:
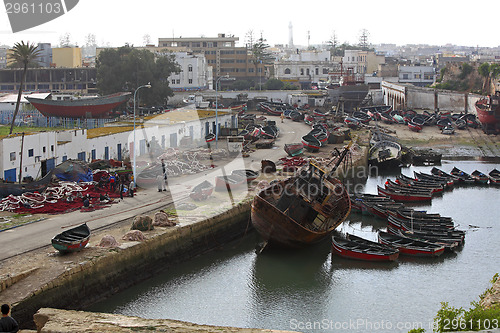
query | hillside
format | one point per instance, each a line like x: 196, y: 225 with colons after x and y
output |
x: 464, y: 77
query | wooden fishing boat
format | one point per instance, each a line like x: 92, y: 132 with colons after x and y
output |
x: 488, y: 113
x: 321, y: 134
x: 210, y: 137
x: 414, y: 127
x: 449, y: 244
x: 302, y: 209
x: 294, y: 149
x: 202, y: 191
x: 479, y: 177
x: 448, y: 130
x: 385, y: 154
x: 353, y: 247
x: 352, y: 122
x: 409, y: 246
x: 296, y: 116
x: 363, y: 117
x: 494, y: 177
x: 404, y: 195
x: 229, y: 182
x: 311, y: 143
x: 249, y: 174
x: 72, y: 240
x: 38, y: 186
x: 463, y: 176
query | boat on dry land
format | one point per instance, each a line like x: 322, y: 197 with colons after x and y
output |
x: 96, y: 107
x: 488, y: 113
x: 72, y: 240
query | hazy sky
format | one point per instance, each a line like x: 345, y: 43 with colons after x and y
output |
x: 115, y: 22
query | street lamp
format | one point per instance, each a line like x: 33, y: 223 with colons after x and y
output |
x: 135, y: 149
x: 224, y: 78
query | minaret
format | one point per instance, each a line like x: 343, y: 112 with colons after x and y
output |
x: 290, y: 35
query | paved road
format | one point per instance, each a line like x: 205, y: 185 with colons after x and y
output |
x: 36, y: 235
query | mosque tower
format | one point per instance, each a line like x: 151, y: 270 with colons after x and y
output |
x: 290, y: 35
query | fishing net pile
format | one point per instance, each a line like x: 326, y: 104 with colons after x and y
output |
x: 63, y: 197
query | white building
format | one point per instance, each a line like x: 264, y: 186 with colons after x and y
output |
x: 195, y: 73
x: 304, y: 68
x: 41, y: 152
x: 420, y: 76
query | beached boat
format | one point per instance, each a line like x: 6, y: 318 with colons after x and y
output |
x: 38, y: 186
x: 494, y: 177
x: 229, y: 182
x: 353, y: 247
x: 72, y: 240
x: 209, y: 137
x: 414, y: 127
x: 302, y: 209
x: 311, y: 143
x: 249, y: 174
x: 294, y: 149
x: 448, y: 130
x: 202, y: 191
x: 488, y: 113
x: 96, y: 107
x: 385, y: 153
x: 409, y: 246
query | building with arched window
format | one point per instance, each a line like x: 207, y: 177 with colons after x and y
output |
x: 304, y: 68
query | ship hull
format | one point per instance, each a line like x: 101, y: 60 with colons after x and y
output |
x: 79, y: 108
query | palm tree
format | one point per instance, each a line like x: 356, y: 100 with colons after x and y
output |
x: 23, y: 55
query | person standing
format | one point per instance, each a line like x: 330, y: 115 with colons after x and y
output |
x: 131, y: 186
x: 160, y: 182
x: 7, y: 323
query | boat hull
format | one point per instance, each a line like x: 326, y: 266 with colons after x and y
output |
x: 79, y: 108
x: 72, y: 240
x: 278, y: 228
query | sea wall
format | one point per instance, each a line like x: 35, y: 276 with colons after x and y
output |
x: 117, y: 269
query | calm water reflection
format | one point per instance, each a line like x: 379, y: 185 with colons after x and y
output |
x: 311, y: 291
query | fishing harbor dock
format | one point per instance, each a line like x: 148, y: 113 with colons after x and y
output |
x: 57, y: 281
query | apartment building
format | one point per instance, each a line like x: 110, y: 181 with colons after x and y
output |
x: 222, y: 54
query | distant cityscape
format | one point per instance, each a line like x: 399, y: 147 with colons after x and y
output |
x: 203, y: 59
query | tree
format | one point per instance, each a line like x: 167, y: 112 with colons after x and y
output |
x: 274, y: 84
x: 65, y: 40
x: 333, y: 43
x: 363, y: 39
x: 23, y: 54
x: 126, y: 68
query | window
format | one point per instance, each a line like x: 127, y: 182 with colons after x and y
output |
x: 178, y: 81
x: 190, y: 68
x: 316, y: 71
x: 52, y: 148
x: 325, y: 70
x: 190, y: 81
x: 30, y: 153
x: 251, y: 70
x: 13, y: 156
x: 288, y: 71
x: 418, y: 76
x: 44, y: 149
x: 302, y: 71
x: 405, y: 76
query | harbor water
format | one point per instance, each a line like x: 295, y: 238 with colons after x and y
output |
x: 310, y: 290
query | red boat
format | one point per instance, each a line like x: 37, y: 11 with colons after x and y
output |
x: 488, y: 113
x: 96, y: 107
x: 353, y: 247
x: 404, y: 195
x: 409, y: 246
